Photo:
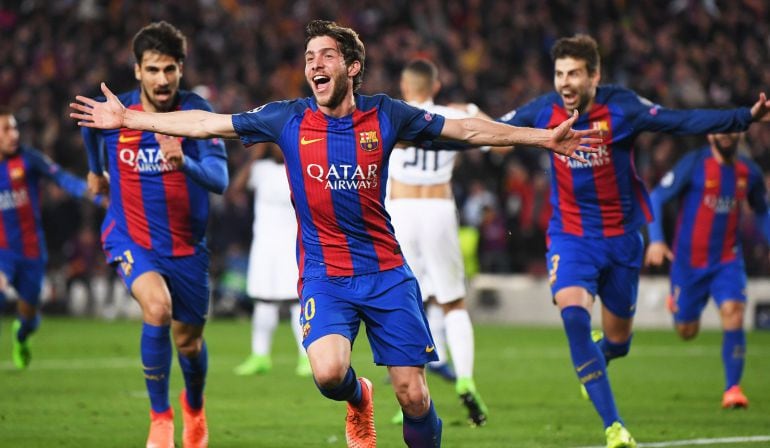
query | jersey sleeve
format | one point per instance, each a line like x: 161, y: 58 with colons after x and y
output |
x: 523, y: 116
x: 647, y: 116
x: 47, y: 168
x: 414, y: 124
x: 210, y: 169
x: 92, y: 139
x: 757, y: 199
x: 671, y: 185
x: 263, y: 124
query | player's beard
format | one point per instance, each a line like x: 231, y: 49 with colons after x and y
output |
x: 728, y: 151
x: 166, y: 106
x: 339, y: 92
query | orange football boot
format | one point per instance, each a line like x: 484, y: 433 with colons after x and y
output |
x: 359, y: 423
x: 196, y: 431
x: 161, y: 429
x: 733, y: 398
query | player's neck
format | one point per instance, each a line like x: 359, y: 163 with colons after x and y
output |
x: 343, y: 109
x: 722, y: 159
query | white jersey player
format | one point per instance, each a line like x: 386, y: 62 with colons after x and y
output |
x: 272, y: 272
x: 424, y: 217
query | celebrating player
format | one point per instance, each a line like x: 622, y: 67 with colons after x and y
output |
x: 707, y: 260
x: 595, y: 246
x: 22, y: 246
x: 336, y: 145
x: 272, y: 273
x: 424, y: 217
x: 154, y: 230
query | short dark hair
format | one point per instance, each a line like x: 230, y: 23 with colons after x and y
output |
x: 579, y: 46
x: 5, y: 110
x: 162, y: 37
x: 350, y: 44
x: 423, y: 67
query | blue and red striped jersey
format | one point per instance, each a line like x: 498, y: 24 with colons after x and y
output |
x: 21, y: 229
x: 605, y: 197
x: 710, y: 195
x: 153, y: 204
x: 337, y: 169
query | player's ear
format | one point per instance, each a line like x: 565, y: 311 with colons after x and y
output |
x: 137, y: 72
x: 436, y: 87
x: 354, y: 68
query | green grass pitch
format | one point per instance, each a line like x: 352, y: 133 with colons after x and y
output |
x: 85, y: 389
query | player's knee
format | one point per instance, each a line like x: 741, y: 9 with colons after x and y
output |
x: 415, y: 401
x: 188, y: 346
x: 687, y: 331
x: 732, y: 313
x: 329, y: 376
x: 157, y: 312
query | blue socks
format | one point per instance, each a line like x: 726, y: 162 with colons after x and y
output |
x: 589, y: 362
x: 424, y: 431
x: 348, y: 390
x: 28, y: 326
x: 156, y: 362
x: 733, y: 354
x: 194, y: 372
x: 612, y: 350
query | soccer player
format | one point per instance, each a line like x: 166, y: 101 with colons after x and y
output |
x: 711, y: 185
x: 272, y: 273
x: 153, y: 233
x: 336, y: 145
x: 595, y: 247
x: 22, y: 245
x: 424, y: 215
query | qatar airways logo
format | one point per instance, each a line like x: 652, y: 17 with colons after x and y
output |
x: 13, y: 199
x: 344, y: 177
x: 720, y: 204
x: 144, y: 160
x: 600, y: 158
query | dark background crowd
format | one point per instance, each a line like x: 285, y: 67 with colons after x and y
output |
x: 679, y: 53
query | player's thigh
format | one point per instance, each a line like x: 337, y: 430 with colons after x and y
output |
x: 396, y: 325
x: 619, y: 278
x: 573, y: 261
x: 441, y: 253
x: 28, y: 280
x: 188, y: 283
x: 689, y: 292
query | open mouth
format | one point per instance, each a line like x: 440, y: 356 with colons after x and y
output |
x: 162, y: 94
x: 321, y: 82
x: 568, y: 96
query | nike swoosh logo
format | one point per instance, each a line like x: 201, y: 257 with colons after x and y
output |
x: 583, y: 366
x: 429, y: 349
x: 305, y: 141
x: 124, y: 139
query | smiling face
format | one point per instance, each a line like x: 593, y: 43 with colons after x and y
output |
x: 9, y: 136
x: 326, y: 73
x: 574, y: 83
x: 158, y: 75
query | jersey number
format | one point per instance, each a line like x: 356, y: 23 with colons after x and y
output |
x: 421, y: 159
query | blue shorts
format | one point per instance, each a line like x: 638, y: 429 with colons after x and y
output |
x: 607, y: 267
x: 187, y: 278
x: 24, y: 274
x: 389, y: 303
x: 691, y: 288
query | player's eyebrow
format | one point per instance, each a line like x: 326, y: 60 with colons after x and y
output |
x: 322, y: 50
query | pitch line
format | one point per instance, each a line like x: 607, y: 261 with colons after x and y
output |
x: 694, y: 442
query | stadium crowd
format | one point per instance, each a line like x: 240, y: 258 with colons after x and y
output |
x: 679, y: 53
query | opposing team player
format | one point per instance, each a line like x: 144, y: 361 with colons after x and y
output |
x: 23, y: 253
x: 711, y: 185
x: 595, y: 247
x: 424, y: 216
x: 154, y: 230
x: 336, y: 145
x: 272, y: 273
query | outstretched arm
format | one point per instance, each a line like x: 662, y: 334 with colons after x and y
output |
x: 562, y: 140
x: 760, y: 111
x: 111, y: 114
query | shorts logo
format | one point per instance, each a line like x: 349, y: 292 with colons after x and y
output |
x: 127, y: 263
x: 305, y: 331
x: 554, y: 268
x: 368, y: 140
x: 430, y: 348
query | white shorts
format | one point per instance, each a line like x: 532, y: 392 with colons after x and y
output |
x: 427, y: 231
x: 273, y: 270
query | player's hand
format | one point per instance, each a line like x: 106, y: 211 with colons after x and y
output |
x: 171, y: 149
x: 567, y: 141
x: 100, y: 115
x: 656, y: 253
x: 98, y: 184
x: 760, y: 111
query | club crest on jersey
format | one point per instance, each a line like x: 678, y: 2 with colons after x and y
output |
x: 368, y: 140
x: 601, y: 125
x: 17, y: 174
